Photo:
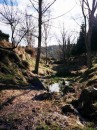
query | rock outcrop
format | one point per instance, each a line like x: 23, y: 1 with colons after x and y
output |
x: 85, y: 103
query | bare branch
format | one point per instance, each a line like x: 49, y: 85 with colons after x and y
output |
x: 46, y: 8
x: 76, y: 21
x: 34, y: 6
x: 87, y: 3
x: 21, y: 39
x: 10, y: 16
x: 59, y: 15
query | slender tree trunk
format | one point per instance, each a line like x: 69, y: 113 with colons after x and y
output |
x: 39, y: 38
x: 88, y: 47
x: 89, y: 35
x: 46, y: 54
x: 45, y: 41
x: 64, y: 50
x: 89, y: 58
x: 88, y: 50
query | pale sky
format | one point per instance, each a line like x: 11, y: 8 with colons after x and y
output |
x: 59, y: 7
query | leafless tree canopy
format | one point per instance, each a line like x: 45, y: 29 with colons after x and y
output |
x: 10, y: 15
x: 88, y: 14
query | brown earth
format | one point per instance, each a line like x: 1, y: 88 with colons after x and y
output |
x: 19, y: 110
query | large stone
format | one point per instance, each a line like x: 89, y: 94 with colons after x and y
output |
x: 69, y: 109
x: 85, y: 103
x: 68, y: 89
x: 88, y: 97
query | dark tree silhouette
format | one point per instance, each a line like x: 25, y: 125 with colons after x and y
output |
x: 89, y: 17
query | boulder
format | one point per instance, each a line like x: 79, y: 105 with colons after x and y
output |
x: 69, y: 109
x: 68, y: 89
x: 88, y: 97
x: 85, y: 103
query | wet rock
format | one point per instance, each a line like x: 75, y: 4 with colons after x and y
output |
x: 69, y: 89
x: 69, y: 109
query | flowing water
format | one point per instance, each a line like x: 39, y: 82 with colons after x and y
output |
x: 54, y: 87
x: 57, y: 86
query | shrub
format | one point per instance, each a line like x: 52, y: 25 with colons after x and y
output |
x: 30, y: 51
x: 25, y: 63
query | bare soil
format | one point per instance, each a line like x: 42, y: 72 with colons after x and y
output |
x: 19, y: 110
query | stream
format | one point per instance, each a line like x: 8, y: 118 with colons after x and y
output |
x: 56, y: 87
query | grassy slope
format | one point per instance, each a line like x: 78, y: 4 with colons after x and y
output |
x: 14, y: 65
x: 86, y: 76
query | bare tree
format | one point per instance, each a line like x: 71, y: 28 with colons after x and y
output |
x: 88, y: 14
x: 45, y: 39
x: 30, y: 27
x: 9, y: 15
x: 62, y: 40
x: 41, y: 9
x: 68, y: 47
x: 46, y: 33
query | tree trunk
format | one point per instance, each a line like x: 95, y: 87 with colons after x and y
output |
x: 46, y: 54
x: 39, y: 38
x: 89, y: 35
x: 64, y: 50
x: 90, y: 26
x: 89, y: 58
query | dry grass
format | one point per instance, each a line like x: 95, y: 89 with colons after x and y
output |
x: 5, y: 44
x: 20, y: 109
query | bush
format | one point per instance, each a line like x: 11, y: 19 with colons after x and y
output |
x: 25, y: 63
x: 30, y: 51
x: 14, y: 57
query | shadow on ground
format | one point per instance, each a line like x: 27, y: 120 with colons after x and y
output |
x: 11, y: 99
x: 43, y: 96
x: 35, y: 84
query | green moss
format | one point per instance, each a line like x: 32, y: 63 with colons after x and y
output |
x: 7, y: 79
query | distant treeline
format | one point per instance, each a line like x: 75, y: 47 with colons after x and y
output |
x: 80, y: 47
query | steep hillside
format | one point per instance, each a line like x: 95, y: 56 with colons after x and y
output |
x: 15, y: 65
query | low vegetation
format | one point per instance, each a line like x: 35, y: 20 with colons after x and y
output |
x: 20, y: 102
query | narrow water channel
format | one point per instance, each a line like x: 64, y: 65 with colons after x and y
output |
x: 56, y: 87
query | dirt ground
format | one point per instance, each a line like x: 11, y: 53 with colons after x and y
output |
x: 20, y: 110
